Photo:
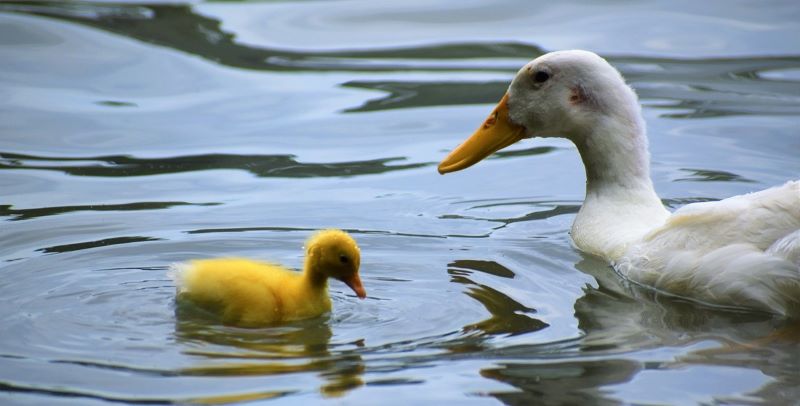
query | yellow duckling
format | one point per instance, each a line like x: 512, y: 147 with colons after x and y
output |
x: 250, y: 293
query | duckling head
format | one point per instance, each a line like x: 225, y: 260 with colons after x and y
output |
x: 334, y: 254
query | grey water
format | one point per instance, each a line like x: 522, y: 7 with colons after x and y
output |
x: 135, y: 135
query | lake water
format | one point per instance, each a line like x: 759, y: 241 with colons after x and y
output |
x: 133, y: 136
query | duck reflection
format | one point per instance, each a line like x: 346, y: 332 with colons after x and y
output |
x: 508, y: 317
x: 625, y: 316
x: 562, y: 383
x: 291, y: 348
x: 618, y: 318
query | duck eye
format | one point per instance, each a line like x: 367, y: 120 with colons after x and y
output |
x: 343, y: 259
x: 541, y: 76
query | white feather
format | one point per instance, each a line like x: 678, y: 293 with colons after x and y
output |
x: 177, y: 272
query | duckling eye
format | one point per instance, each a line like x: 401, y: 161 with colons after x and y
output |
x: 343, y: 259
x: 541, y: 76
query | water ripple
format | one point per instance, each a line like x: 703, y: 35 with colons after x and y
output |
x: 25, y: 214
x: 95, y: 244
x: 706, y: 175
x: 708, y: 87
x: 281, y: 166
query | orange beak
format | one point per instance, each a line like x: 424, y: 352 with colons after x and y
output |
x: 354, y: 282
x: 496, y: 133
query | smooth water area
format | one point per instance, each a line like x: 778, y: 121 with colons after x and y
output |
x: 134, y: 136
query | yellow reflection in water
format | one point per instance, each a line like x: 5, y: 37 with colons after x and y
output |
x: 293, y: 348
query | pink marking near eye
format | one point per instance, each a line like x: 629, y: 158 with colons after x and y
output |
x: 577, y: 96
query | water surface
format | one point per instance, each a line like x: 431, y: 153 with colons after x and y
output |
x: 133, y: 136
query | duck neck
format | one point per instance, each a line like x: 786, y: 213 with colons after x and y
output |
x: 312, y: 275
x: 615, y: 155
x: 621, y: 204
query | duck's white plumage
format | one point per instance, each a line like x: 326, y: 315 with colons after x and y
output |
x: 743, y: 251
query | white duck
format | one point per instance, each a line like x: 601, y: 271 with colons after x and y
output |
x: 743, y: 251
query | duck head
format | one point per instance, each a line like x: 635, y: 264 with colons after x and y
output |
x: 335, y: 254
x: 560, y: 94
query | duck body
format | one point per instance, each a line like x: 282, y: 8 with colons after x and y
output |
x: 742, y: 251
x: 250, y: 293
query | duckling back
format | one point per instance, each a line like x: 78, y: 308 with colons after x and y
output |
x: 248, y: 293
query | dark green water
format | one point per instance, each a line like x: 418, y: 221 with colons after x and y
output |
x: 136, y: 135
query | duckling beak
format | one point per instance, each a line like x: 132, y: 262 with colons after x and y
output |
x: 496, y: 133
x: 354, y: 282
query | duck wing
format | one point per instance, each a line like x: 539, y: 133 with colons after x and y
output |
x: 741, y: 252
x: 759, y: 218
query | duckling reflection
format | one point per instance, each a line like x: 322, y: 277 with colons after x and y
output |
x: 507, y: 315
x: 293, y: 348
x: 617, y: 317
